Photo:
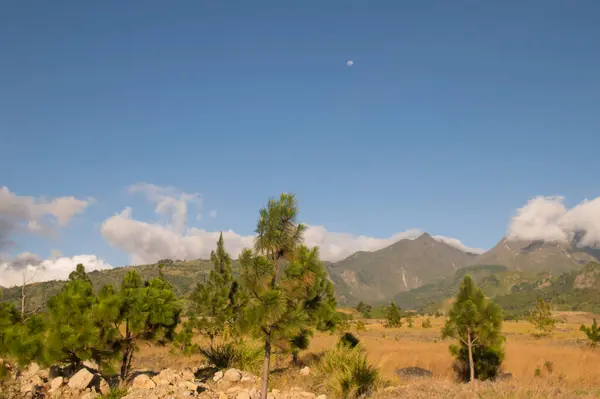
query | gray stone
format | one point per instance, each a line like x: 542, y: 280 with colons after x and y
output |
x: 232, y: 375
x: 243, y: 395
x: 305, y: 371
x: 142, y: 381
x: 81, y: 380
x: 414, y: 372
x: 56, y: 383
x: 218, y: 376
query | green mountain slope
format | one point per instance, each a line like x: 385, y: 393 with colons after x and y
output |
x: 493, y: 279
x: 183, y: 275
x: 377, y: 276
x: 536, y: 256
x: 576, y: 290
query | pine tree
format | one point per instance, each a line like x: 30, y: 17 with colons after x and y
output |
x: 393, y: 316
x: 541, y: 318
x: 217, y: 300
x: 409, y: 320
x: 476, y: 323
x: 148, y: 311
x: 283, y: 303
x: 73, y: 335
x: 592, y: 332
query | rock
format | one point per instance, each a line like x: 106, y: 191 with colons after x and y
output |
x: 305, y: 371
x: 223, y: 395
x: 189, y: 385
x: 89, y: 395
x: 248, y: 378
x: 308, y: 395
x: 90, y: 364
x: 103, y: 387
x: 26, y: 388
x: 33, y: 369
x: 218, y: 375
x: 243, y: 395
x: 142, y: 381
x: 167, y: 377
x: 234, y: 390
x: 322, y: 397
x: 81, y: 380
x: 254, y: 393
x: 232, y: 375
x: 296, y: 389
x: 56, y: 383
x: 414, y: 372
x: 36, y: 380
x: 188, y: 375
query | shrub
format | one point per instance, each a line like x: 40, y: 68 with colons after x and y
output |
x: 348, y: 340
x: 426, y: 323
x: 346, y: 372
x: 228, y: 355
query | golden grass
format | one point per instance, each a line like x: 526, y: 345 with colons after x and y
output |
x: 576, y: 367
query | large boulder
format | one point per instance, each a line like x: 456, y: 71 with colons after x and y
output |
x: 56, y: 383
x: 81, y: 380
x: 142, y: 381
x: 414, y: 372
x: 232, y: 375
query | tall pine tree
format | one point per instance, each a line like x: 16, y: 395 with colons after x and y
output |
x: 73, y: 335
x: 284, y: 302
x: 148, y: 311
x: 476, y: 323
x: 216, y: 300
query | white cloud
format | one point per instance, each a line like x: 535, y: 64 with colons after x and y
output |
x: 35, y: 215
x: 548, y: 219
x: 148, y: 242
x: 170, y: 203
x: 349, y: 63
x: 453, y: 242
x: 30, y: 267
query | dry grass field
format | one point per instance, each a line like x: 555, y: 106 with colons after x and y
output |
x: 569, y: 367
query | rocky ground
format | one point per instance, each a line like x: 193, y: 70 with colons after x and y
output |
x: 36, y: 383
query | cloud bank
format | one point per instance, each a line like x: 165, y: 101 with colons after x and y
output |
x: 548, y: 219
x: 22, y: 214
x: 146, y: 242
x: 30, y: 268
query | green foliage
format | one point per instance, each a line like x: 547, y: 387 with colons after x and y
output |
x: 426, y: 323
x: 364, y: 309
x: 148, y: 311
x: 182, y: 342
x: 217, y: 300
x: 347, y: 373
x: 349, y: 340
x: 476, y: 323
x: 299, y: 342
x: 541, y: 318
x: 228, y: 355
x: 592, y: 332
x: 409, y: 320
x: 282, y: 303
x: 73, y: 334
x: 393, y: 316
x: 360, y: 326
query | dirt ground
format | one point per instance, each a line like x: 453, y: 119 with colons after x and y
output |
x: 565, y: 359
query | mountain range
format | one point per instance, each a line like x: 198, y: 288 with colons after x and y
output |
x: 415, y: 273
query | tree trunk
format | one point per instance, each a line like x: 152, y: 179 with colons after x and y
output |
x: 23, y: 301
x: 124, y: 363
x: 267, y: 363
x: 470, y: 347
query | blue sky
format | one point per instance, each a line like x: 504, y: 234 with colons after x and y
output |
x: 453, y: 115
